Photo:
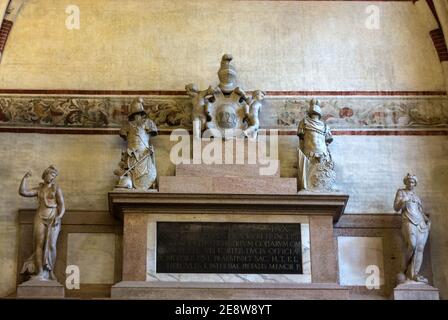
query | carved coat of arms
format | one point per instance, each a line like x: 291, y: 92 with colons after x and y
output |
x: 225, y: 110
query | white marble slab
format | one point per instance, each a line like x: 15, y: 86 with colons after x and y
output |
x: 355, y: 255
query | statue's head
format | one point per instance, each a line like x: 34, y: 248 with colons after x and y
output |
x: 258, y: 95
x: 410, y: 181
x: 136, y: 108
x: 50, y: 174
x: 314, y: 108
x: 191, y: 89
x: 227, y: 74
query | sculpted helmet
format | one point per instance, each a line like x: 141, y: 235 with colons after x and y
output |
x: 410, y: 177
x: 315, y: 108
x: 227, y: 74
x: 136, y: 107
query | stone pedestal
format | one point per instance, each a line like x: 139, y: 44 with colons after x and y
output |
x: 228, y: 185
x: 221, y: 170
x: 225, y: 291
x: 415, y: 291
x: 226, y: 179
x: 221, y: 195
x: 40, y: 289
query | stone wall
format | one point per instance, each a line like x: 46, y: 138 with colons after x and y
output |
x: 277, y: 45
x: 292, y: 49
x: 369, y: 168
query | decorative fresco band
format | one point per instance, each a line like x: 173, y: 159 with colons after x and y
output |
x: 170, y: 112
x: 75, y: 92
x: 115, y: 131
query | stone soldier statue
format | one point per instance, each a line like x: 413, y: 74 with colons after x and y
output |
x: 138, y: 163
x: 415, y: 229
x: 47, y: 224
x: 252, y: 114
x: 315, y: 164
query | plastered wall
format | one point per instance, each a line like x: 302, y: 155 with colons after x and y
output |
x: 369, y: 172
x: 278, y: 45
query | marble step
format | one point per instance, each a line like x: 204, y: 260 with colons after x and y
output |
x: 222, y: 170
x: 227, y: 185
x: 224, y: 291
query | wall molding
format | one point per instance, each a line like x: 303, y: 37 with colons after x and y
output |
x: 346, y: 115
x: 115, y: 132
x: 183, y: 93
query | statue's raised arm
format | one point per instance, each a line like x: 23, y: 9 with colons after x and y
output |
x: 24, y: 189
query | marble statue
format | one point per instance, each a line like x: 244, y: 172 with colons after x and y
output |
x: 415, y: 229
x: 47, y: 224
x: 225, y: 109
x: 252, y: 113
x: 200, y: 112
x: 138, y: 164
x: 315, y: 164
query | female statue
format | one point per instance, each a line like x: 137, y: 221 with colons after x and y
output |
x: 47, y: 223
x: 415, y: 229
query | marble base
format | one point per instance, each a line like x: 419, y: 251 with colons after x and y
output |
x: 220, y: 170
x: 228, y: 185
x: 44, y: 289
x: 225, y: 291
x: 415, y: 291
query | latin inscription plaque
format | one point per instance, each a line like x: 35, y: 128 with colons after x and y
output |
x: 212, y: 247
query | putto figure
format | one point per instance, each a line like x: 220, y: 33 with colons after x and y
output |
x: 315, y: 164
x: 138, y: 164
x: 415, y: 229
x: 200, y: 113
x: 47, y: 224
x: 225, y: 109
x: 252, y: 114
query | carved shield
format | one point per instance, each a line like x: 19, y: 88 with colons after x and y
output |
x: 227, y: 114
x: 144, y: 171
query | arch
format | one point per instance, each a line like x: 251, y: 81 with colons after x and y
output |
x: 11, y: 10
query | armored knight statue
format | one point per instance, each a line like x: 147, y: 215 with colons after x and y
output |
x: 315, y: 164
x: 138, y: 164
x: 415, y: 229
x: 225, y: 109
x: 47, y: 224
